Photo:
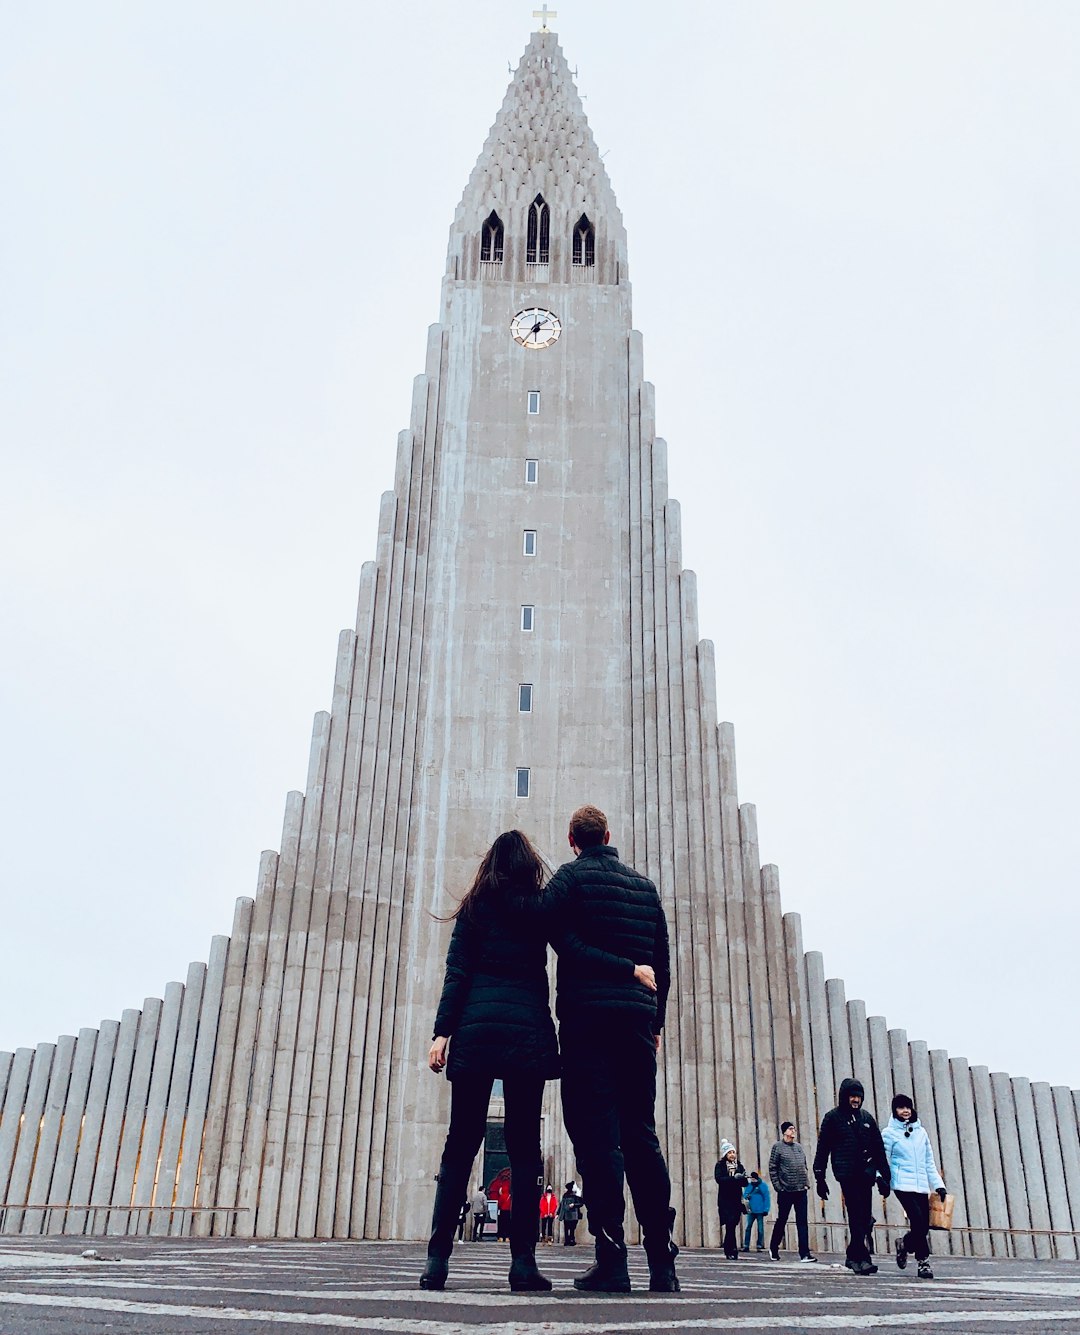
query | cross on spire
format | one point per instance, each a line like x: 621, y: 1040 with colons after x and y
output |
x: 545, y: 14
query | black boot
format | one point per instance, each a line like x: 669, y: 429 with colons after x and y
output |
x: 524, y: 1233
x: 661, y: 1253
x: 524, y: 1276
x: 609, y: 1274
x: 444, y: 1217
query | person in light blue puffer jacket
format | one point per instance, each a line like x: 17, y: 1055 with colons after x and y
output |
x: 914, y: 1177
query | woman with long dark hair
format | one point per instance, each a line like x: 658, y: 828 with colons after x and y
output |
x: 494, y: 1018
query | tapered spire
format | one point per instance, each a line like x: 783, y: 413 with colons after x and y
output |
x: 540, y: 145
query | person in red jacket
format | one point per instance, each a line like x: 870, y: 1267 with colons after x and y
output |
x: 549, y: 1207
x: 499, y: 1192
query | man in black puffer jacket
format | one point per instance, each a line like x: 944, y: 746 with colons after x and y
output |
x: 612, y: 993
x: 851, y: 1137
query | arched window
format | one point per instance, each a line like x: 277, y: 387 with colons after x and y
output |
x: 491, y: 240
x: 584, y: 242
x: 538, y: 243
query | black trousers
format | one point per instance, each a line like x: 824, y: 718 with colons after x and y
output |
x: 731, y: 1237
x: 469, y: 1099
x: 917, y: 1208
x: 786, y: 1201
x: 858, y: 1198
x: 478, y: 1222
x: 609, y: 1096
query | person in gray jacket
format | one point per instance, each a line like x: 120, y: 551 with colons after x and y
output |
x: 790, y: 1179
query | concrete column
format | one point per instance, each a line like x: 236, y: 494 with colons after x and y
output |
x: 156, y: 1104
x: 49, y: 1136
x: 900, y: 1057
x: 765, y: 1101
x: 826, y: 1084
x: 225, y: 1052
x: 6, y: 1060
x: 840, y: 1039
x: 805, y: 1117
x: 947, y: 1145
x: 32, y: 1111
x: 926, y: 1104
x: 11, y: 1121
x: 335, y: 1012
x: 249, y: 1197
x: 1036, y: 1194
x: 279, y: 1169
x: 176, y: 1105
x: 135, y: 1114
x: 783, y: 1013
x: 1053, y: 1165
x: 195, y: 1112
x: 1006, y: 1116
x: 96, y: 1155
x: 723, y: 1125
x: 991, y: 1151
x: 738, y: 958
x: 967, y: 1130
x: 73, y: 1112
x: 1069, y: 1140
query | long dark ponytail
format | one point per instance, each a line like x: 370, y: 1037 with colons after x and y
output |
x: 511, y: 866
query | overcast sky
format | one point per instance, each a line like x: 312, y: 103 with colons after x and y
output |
x: 853, y: 244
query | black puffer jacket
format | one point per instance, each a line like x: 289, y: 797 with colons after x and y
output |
x: 729, y: 1191
x: 494, y: 1004
x: 605, y: 918
x: 853, y: 1140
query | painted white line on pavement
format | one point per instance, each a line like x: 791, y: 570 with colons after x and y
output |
x: 587, y: 1324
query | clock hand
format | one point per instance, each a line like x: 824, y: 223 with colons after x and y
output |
x: 536, y: 328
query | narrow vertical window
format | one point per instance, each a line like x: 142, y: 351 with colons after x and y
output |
x: 584, y: 242
x: 523, y: 783
x: 528, y: 612
x: 525, y: 697
x: 528, y: 545
x: 534, y: 402
x: 538, y: 234
x: 532, y: 470
x: 491, y: 239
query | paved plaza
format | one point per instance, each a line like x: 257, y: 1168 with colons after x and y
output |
x: 169, y: 1286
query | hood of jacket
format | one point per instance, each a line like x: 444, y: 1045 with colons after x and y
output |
x: 848, y: 1087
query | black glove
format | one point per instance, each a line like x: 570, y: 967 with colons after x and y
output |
x: 822, y: 1188
x: 941, y: 1194
x: 884, y: 1187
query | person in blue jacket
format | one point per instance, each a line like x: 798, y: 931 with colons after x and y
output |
x: 758, y: 1204
x: 914, y: 1177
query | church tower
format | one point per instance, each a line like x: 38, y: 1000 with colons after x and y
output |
x: 526, y: 640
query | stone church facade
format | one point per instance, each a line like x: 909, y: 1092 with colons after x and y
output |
x: 526, y: 640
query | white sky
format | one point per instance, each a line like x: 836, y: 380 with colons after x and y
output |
x: 853, y: 242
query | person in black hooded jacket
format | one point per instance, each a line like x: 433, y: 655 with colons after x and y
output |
x: 850, y: 1137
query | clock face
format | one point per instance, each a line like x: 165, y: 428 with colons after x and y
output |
x: 535, y: 328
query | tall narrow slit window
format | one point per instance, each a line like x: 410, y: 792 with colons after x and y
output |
x: 538, y: 235
x: 532, y: 470
x: 528, y: 542
x: 525, y: 697
x: 528, y: 616
x: 523, y: 782
x: 491, y: 239
x: 584, y: 242
x: 534, y: 402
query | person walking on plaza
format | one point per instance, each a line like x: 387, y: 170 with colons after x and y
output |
x: 479, y: 1213
x: 790, y: 1179
x: 730, y: 1178
x: 758, y: 1204
x: 850, y: 1137
x: 493, y: 1016
x: 570, y: 1213
x: 549, y: 1207
x: 500, y: 1191
x: 611, y: 1016
x: 914, y: 1177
